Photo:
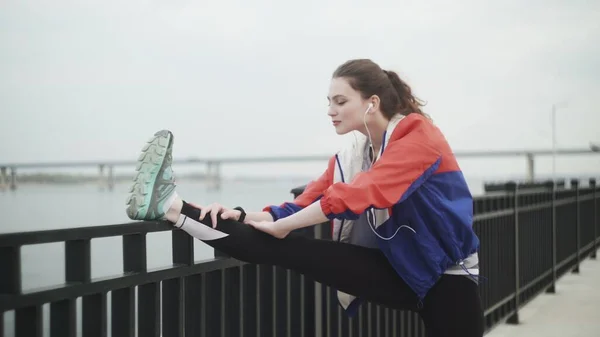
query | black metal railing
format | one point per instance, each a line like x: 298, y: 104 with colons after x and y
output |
x: 530, y: 236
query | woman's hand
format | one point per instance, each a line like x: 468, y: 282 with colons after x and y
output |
x: 309, y: 216
x: 275, y: 229
x: 214, y: 210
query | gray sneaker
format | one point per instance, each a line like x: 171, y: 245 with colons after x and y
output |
x: 153, y: 189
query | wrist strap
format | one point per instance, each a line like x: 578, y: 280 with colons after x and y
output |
x: 242, y: 215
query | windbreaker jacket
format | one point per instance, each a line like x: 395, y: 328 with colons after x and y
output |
x: 415, y: 189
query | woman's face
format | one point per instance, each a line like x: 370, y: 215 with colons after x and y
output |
x: 346, y: 107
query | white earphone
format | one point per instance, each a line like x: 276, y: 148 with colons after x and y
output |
x: 366, y: 127
x: 371, y: 217
x: 369, y: 108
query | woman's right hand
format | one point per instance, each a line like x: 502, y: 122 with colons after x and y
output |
x: 214, y: 210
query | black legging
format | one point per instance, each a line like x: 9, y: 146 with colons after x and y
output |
x: 451, y: 308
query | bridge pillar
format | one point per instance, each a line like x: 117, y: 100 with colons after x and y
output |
x: 213, y: 175
x: 13, y: 178
x: 2, y: 178
x: 101, y: 176
x: 111, y: 178
x: 530, y: 168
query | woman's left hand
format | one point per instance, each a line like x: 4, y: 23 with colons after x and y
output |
x: 273, y: 228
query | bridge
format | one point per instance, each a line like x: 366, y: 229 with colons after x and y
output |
x: 8, y: 171
x: 532, y: 236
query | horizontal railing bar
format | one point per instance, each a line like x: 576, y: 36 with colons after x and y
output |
x: 82, y: 233
x: 533, y: 190
x: 523, y: 191
x: 535, y: 294
x: 586, y: 197
x: 535, y: 207
x: 565, y: 201
x: 75, y: 290
x: 536, y: 280
x: 92, y: 232
x: 495, y: 214
x: 499, y: 304
x: 586, y: 247
x: 493, y: 195
x: 565, y: 261
x: 501, y: 320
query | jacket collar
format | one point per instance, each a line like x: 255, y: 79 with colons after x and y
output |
x: 350, y: 157
x: 360, y: 140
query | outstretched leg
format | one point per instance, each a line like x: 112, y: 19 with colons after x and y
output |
x: 360, y: 271
x: 363, y: 272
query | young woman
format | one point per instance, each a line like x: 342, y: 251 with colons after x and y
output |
x: 400, y: 209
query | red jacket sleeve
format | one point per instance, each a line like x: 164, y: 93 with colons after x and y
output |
x: 313, y: 191
x: 410, y: 158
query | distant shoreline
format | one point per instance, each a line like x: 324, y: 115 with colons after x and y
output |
x: 80, y: 179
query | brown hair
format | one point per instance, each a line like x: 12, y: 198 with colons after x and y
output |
x: 369, y: 79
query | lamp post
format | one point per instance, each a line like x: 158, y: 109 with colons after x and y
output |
x: 554, y: 107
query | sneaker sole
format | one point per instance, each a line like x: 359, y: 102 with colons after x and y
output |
x: 150, y: 163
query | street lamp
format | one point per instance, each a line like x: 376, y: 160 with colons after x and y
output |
x: 554, y: 107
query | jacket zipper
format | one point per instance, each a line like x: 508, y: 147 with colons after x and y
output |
x: 340, y: 233
x: 337, y: 159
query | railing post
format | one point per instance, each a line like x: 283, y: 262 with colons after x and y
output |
x: 552, y: 186
x: 575, y: 186
x: 183, y: 248
x: 317, y: 330
x: 78, y: 257
x: 10, y: 269
x: 514, y: 189
x: 595, y: 218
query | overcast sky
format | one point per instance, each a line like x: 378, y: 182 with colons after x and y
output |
x: 86, y: 80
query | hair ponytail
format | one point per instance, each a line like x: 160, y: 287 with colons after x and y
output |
x: 408, y: 103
